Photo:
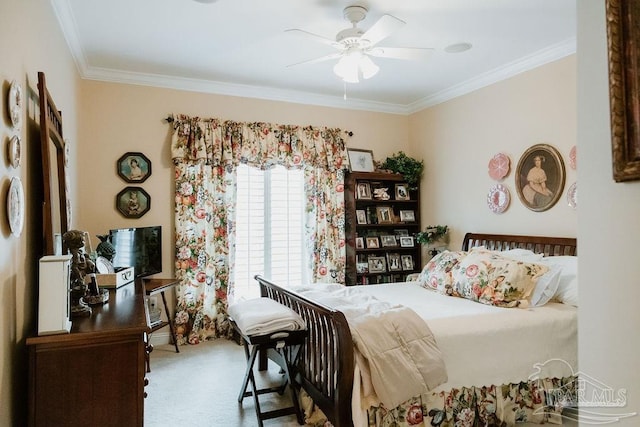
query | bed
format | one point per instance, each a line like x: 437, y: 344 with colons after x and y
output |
x: 327, y: 363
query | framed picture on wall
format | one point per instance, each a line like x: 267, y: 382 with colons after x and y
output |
x: 133, y: 202
x: 134, y: 167
x: 540, y: 177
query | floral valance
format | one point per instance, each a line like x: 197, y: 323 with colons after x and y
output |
x: 258, y: 144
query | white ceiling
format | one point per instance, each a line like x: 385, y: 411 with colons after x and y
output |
x: 240, y: 47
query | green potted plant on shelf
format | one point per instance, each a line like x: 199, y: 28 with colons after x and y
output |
x: 432, y: 234
x: 409, y: 167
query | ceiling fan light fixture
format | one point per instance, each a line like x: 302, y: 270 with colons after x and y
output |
x: 353, y: 65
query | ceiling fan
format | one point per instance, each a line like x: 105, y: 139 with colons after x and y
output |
x: 355, y: 46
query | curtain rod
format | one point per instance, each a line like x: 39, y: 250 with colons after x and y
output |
x: 170, y: 119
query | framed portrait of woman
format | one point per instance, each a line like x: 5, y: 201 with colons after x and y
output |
x: 540, y: 177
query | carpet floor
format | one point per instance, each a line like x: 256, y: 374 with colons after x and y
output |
x: 199, y: 387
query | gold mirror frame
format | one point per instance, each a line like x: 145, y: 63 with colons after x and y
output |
x: 623, y: 36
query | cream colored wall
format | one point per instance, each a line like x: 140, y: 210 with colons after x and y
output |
x: 457, y: 139
x: 119, y: 118
x: 30, y: 41
x: 608, y: 230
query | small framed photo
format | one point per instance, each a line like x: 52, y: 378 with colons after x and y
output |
x: 363, y: 191
x: 379, y: 191
x: 360, y: 160
x: 134, y: 167
x: 377, y: 264
x: 361, y: 216
x: 394, y: 263
x: 406, y: 242
x: 388, y: 241
x: 401, y: 232
x: 384, y: 214
x: 373, y: 243
x: 407, y: 216
x: 133, y: 202
x: 362, y: 267
x: 407, y: 262
x: 359, y: 242
x: 402, y: 193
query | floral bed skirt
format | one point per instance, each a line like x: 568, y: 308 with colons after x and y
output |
x: 537, y: 401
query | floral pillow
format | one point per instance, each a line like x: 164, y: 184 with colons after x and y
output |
x: 437, y: 274
x: 489, y: 278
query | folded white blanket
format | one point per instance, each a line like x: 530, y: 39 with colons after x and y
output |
x: 261, y: 316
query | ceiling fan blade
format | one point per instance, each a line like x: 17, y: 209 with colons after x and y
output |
x: 382, y: 29
x: 401, y: 52
x: 316, y: 60
x: 313, y: 36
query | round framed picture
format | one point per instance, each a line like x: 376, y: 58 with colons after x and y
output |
x: 540, y: 177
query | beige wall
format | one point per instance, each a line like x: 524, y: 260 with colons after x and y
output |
x: 608, y: 230
x: 457, y: 139
x: 120, y: 118
x: 30, y: 41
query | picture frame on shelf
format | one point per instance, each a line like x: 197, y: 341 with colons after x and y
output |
x: 133, y: 202
x: 359, y: 242
x: 384, y: 214
x: 402, y: 192
x: 407, y: 216
x: 373, y: 242
x: 380, y: 191
x: 361, y: 216
x: 401, y: 232
x: 407, y: 242
x: 394, y: 263
x: 362, y: 267
x: 134, y: 167
x: 388, y: 241
x: 363, y: 191
x: 360, y: 160
x: 377, y: 264
x: 407, y: 262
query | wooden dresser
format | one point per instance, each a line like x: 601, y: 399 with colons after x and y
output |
x: 94, y: 375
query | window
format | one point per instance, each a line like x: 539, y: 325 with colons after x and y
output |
x: 269, y: 228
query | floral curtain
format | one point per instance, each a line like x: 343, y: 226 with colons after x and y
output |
x: 206, y: 153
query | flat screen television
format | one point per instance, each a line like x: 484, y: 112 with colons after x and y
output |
x: 139, y: 247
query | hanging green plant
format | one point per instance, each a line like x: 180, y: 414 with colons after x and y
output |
x: 432, y: 234
x: 409, y: 167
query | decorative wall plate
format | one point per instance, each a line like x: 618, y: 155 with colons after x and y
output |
x: 499, y: 166
x: 498, y: 198
x: 572, y: 195
x: 15, y: 206
x: 14, y: 150
x: 14, y: 104
x: 572, y: 158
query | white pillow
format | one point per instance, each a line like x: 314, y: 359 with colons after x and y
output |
x: 519, y: 254
x: 567, y: 292
x: 546, y: 287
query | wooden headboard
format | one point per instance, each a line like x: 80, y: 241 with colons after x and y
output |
x: 538, y: 244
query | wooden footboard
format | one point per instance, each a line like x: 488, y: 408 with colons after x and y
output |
x: 326, y: 363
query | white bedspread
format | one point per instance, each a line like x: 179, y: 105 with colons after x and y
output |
x: 396, y: 354
x: 485, y: 345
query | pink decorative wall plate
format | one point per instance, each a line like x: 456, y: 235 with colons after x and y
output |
x: 499, y: 166
x: 498, y: 198
x: 572, y: 157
